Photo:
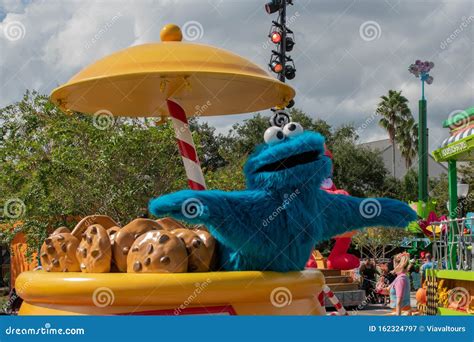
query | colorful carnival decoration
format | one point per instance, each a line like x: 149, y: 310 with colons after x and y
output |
x: 453, y: 252
x: 459, y: 147
x: 432, y: 226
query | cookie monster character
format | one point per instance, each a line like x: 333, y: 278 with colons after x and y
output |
x: 274, y: 224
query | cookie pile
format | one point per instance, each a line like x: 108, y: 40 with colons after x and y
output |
x: 99, y: 245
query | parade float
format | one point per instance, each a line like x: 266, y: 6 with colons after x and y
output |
x: 450, y: 286
x: 171, y: 78
x: 234, y: 256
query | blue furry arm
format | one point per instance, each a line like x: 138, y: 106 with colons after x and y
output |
x: 345, y: 213
x: 186, y: 205
x: 228, y: 215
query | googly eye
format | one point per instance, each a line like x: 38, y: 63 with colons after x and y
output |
x: 273, y: 135
x: 292, y: 129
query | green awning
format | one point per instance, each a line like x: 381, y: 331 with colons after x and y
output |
x: 461, y: 150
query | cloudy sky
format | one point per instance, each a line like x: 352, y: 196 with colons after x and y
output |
x: 347, y: 53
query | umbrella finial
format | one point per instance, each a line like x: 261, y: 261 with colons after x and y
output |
x: 171, y: 33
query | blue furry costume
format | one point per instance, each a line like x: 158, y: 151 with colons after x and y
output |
x: 283, y: 214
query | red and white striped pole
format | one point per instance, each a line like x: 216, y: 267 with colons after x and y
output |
x: 186, y: 146
x: 333, y: 299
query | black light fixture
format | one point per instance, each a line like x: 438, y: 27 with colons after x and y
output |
x: 282, y: 36
x: 273, y: 6
x: 290, y: 72
x: 289, y: 44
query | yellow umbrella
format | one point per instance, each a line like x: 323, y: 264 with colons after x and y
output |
x: 138, y: 80
x: 173, y: 78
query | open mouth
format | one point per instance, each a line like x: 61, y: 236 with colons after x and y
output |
x: 291, y: 161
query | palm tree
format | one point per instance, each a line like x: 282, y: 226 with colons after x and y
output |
x: 393, y: 108
x: 407, y: 138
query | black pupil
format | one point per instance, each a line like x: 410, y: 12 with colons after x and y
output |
x: 280, y: 135
x: 292, y: 127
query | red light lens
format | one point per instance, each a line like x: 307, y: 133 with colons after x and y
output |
x: 276, y: 37
x: 277, y: 67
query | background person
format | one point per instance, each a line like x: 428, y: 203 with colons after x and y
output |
x: 399, y: 290
x: 427, y: 265
x: 368, y: 272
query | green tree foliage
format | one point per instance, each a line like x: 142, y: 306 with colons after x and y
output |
x: 397, y: 120
x: 379, y: 242
x: 63, y: 166
x: 407, y: 139
x: 358, y: 170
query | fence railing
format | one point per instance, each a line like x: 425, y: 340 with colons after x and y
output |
x: 453, y: 244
